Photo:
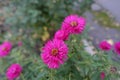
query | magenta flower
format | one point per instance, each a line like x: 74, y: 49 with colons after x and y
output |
x: 104, y: 45
x: 13, y: 71
x: 5, y: 49
x: 102, y: 75
x: 117, y: 47
x: 74, y: 24
x: 61, y: 35
x: 54, y: 53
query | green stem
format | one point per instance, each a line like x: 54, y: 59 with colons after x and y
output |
x: 51, y: 75
x: 22, y: 76
x: 70, y: 76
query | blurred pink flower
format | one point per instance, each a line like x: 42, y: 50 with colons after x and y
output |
x: 102, y: 75
x: 104, y: 45
x: 117, y: 47
x: 62, y: 35
x: 74, y: 24
x: 20, y: 43
x: 13, y: 71
x: 5, y: 49
x: 54, y: 53
x: 113, y: 69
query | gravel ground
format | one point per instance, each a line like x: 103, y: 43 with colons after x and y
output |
x: 113, y: 6
x: 98, y: 32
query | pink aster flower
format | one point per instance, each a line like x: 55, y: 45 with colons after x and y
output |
x: 117, y: 47
x: 62, y: 35
x: 74, y: 24
x: 104, y: 45
x: 54, y: 53
x: 5, y: 49
x: 102, y: 75
x: 13, y: 71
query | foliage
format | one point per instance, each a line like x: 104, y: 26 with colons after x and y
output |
x: 104, y: 19
x: 38, y: 19
x: 79, y: 66
x: 39, y: 13
x: 36, y: 13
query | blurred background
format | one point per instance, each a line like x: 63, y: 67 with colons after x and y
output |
x: 37, y: 20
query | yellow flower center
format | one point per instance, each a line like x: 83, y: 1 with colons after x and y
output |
x: 54, y: 52
x: 73, y: 23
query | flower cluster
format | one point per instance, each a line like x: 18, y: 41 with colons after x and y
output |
x: 104, y: 45
x: 15, y: 69
x: 55, y: 51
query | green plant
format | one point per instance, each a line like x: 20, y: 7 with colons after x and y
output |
x: 104, y: 19
x: 39, y: 13
x: 80, y: 64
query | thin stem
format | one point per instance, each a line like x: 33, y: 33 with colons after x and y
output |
x: 70, y: 76
x: 51, y: 75
x: 22, y: 76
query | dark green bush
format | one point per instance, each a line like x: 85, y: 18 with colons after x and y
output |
x: 39, y: 13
